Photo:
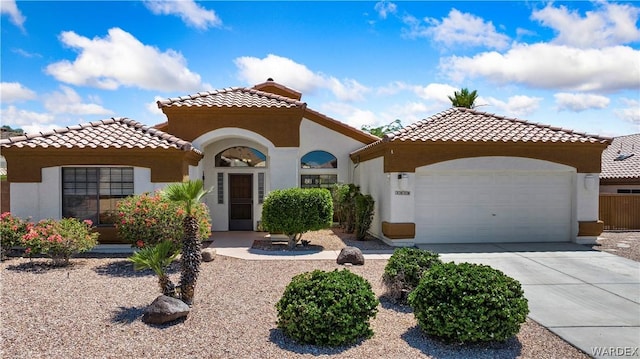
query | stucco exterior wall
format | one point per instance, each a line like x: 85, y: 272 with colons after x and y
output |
x: 41, y: 200
x: 369, y: 176
x: 314, y: 137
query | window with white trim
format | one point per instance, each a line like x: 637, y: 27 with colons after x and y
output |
x: 319, y: 169
x: 94, y: 192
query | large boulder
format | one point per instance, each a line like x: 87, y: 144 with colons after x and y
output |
x: 165, y: 309
x: 208, y: 254
x: 352, y: 255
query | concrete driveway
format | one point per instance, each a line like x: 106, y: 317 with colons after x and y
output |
x: 589, y: 298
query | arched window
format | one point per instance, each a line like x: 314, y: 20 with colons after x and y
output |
x: 319, y: 159
x: 241, y: 156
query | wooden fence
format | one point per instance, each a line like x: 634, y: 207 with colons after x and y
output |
x: 620, y: 211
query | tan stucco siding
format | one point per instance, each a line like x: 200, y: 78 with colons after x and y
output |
x: 406, y: 157
x: 279, y: 125
x: 167, y: 165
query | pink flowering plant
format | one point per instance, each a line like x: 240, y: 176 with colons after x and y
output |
x: 12, y: 229
x: 150, y: 218
x: 61, y: 239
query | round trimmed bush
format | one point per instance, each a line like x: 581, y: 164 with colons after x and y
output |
x: 327, y: 308
x: 468, y: 303
x: 404, y: 269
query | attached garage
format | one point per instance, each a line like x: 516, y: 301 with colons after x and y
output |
x: 464, y: 176
x: 503, y: 204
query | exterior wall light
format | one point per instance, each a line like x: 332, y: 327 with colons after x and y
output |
x: 589, y: 182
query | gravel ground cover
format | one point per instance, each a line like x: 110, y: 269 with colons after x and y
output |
x: 623, y: 244
x: 93, y: 309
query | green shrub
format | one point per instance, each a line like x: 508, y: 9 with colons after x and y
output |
x: 147, y: 219
x: 294, y: 211
x: 60, y: 239
x: 12, y: 229
x: 468, y: 303
x: 344, y: 197
x: 157, y: 258
x: 327, y: 308
x: 364, y: 205
x: 404, y: 269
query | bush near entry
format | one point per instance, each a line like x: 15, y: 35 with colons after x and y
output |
x: 295, y: 211
x: 467, y: 303
x: 327, y: 308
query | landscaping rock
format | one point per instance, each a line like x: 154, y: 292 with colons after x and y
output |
x: 165, y: 309
x: 352, y: 255
x: 208, y: 254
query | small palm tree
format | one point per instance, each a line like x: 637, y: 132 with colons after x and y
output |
x: 189, y: 193
x: 464, y: 98
x: 157, y: 258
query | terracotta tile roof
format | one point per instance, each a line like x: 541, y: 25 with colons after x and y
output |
x: 466, y: 125
x: 109, y: 133
x: 622, y: 158
x: 232, y: 97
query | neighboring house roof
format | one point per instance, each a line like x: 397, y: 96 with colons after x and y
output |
x: 621, y: 160
x: 109, y: 133
x: 232, y: 97
x: 467, y: 125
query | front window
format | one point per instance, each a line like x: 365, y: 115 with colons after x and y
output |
x: 93, y: 192
x: 319, y: 159
x: 318, y: 181
x: 241, y: 156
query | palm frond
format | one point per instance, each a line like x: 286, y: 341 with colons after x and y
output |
x: 189, y: 192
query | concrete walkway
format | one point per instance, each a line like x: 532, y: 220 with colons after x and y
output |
x: 589, y: 298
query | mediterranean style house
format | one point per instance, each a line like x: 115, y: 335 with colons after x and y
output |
x: 459, y: 176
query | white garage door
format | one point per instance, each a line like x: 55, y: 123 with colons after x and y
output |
x: 476, y: 206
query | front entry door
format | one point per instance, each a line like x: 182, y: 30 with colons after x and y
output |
x: 240, y: 202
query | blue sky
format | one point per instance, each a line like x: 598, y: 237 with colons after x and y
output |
x: 573, y: 64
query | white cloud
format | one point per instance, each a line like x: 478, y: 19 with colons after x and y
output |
x: 350, y: 115
x: 10, y: 8
x: 26, y: 54
x: 384, y: 8
x: 436, y: 92
x: 608, y: 25
x: 119, y: 59
x: 191, y: 13
x: 67, y: 101
x: 552, y: 67
x: 577, y: 102
x: 457, y: 29
x: 297, y: 76
x: 14, y: 92
x: 630, y: 111
x: 153, y: 108
x: 517, y: 106
x: 433, y: 91
x: 29, y: 121
x: 408, y: 113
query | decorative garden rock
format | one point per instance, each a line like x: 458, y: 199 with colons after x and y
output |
x: 165, y: 309
x: 352, y: 255
x: 208, y: 254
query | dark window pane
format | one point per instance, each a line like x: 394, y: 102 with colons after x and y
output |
x: 319, y: 159
x: 241, y: 156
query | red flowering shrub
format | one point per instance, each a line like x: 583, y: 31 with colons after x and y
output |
x: 60, y: 239
x: 12, y: 229
x: 148, y: 219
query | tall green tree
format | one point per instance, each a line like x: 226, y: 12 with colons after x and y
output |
x: 464, y: 98
x: 384, y: 129
x: 189, y: 193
